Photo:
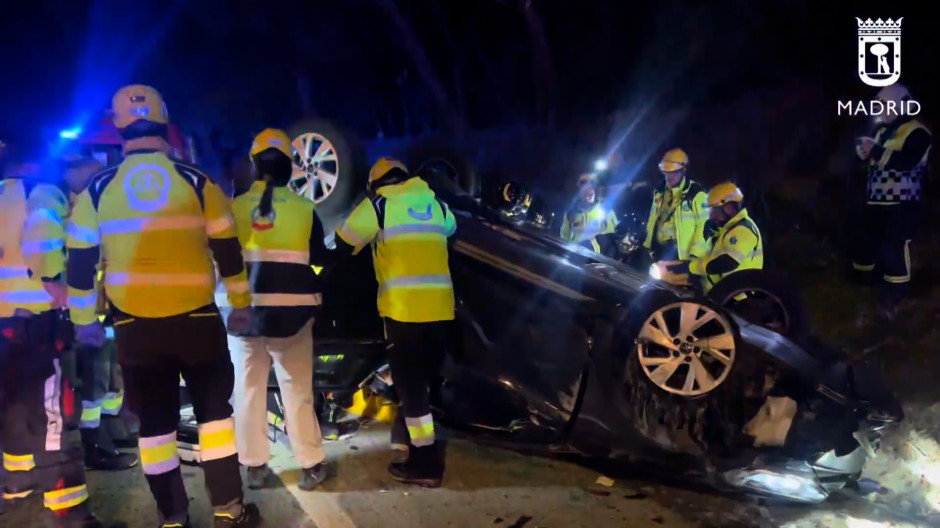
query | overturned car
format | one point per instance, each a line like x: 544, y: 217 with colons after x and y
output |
x: 559, y: 348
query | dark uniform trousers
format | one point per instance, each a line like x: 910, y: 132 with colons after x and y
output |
x: 416, y: 355
x: 882, y: 248
x: 39, y: 415
x: 153, y: 353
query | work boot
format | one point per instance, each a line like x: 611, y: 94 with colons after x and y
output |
x: 425, y: 467
x: 249, y: 518
x: 184, y: 524
x: 81, y: 517
x: 99, y: 458
x: 117, y: 433
x: 314, y: 476
x: 258, y: 476
x: 399, y: 453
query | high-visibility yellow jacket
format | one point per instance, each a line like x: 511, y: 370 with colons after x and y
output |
x: 583, y: 226
x: 735, y: 246
x: 279, y: 250
x: 688, y: 215
x: 32, y: 242
x: 156, y: 224
x: 407, y: 226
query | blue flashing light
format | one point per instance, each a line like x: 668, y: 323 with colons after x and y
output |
x: 600, y: 165
x: 71, y: 133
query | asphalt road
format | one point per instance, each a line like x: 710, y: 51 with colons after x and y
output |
x: 484, y: 487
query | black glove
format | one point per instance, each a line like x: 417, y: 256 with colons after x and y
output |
x: 709, y: 229
x: 681, y: 268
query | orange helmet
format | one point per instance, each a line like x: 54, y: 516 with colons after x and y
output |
x: 138, y: 103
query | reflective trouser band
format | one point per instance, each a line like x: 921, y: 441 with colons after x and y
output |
x: 63, y: 499
x: 421, y: 430
x: 113, y: 401
x: 862, y: 267
x: 217, y: 439
x: 897, y: 280
x: 17, y: 495
x: 286, y: 299
x: 91, y: 414
x: 18, y: 462
x: 158, y: 454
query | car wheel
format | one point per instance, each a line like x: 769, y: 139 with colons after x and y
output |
x: 686, y: 347
x: 445, y: 169
x: 330, y: 166
x: 766, y: 299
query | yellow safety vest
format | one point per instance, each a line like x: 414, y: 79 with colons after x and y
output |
x: 407, y: 227
x: 153, y: 219
x: 582, y: 226
x: 740, y: 239
x: 689, y: 217
x: 32, y: 240
x: 276, y: 250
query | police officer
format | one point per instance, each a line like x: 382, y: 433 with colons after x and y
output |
x: 407, y: 227
x: 160, y: 222
x: 42, y: 447
x: 734, y: 245
x: 586, y: 223
x: 896, y: 159
x: 282, y: 238
x: 677, y: 218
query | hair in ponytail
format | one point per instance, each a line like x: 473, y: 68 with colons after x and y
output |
x: 274, y: 168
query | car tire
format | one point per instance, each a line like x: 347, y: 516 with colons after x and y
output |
x: 772, y: 287
x: 447, y: 171
x: 348, y: 162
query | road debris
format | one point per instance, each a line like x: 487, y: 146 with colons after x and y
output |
x: 521, y: 521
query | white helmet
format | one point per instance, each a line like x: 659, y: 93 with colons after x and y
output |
x: 892, y: 96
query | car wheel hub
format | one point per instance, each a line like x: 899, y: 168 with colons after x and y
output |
x: 315, y: 168
x: 686, y: 348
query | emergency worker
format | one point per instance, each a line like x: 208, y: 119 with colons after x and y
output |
x: 586, y: 223
x: 281, y: 238
x: 158, y: 223
x: 407, y: 227
x: 735, y: 244
x: 93, y: 360
x: 42, y: 448
x: 675, y: 229
x: 896, y: 159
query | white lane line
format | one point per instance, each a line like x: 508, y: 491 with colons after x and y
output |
x: 322, y: 507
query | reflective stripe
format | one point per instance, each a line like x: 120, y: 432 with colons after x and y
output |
x: 160, y: 223
x: 421, y: 430
x: 13, y: 272
x: 901, y: 279
x: 862, y: 267
x: 63, y: 499
x: 83, y: 234
x: 276, y: 255
x: 286, y: 299
x: 84, y: 302
x: 409, y: 281
x: 91, y: 414
x: 14, y: 496
x: 25, y: 297
x: 54, y: 422
x: 217, y: 439
x: 236, y: 285
x: 31, y: 247
x: 413, y: 229
x: 116, y: 278
x: 218, y: 225
x: 18, y: 462
x: 347, y: 234
x: 112, y: 404
x: 158, y: 454
x: 43, y: 214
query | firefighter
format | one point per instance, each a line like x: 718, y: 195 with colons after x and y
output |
x: 281, y: 238
x: 896, y: 159
x: 675, y: 229
x: 159, y: 223
x: 407, y: 227
x: 93, y: 360
x: 735, y: 244
x: 586, y: 223
x: 42, y: 448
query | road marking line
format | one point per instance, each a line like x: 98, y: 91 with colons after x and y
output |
x: 322, y: 507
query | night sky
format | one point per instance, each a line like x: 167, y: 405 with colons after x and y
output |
x: 242, y: 65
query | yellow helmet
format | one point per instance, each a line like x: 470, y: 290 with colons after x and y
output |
x: 724, y: 193
x: 136, y: 103
x: 272, y: 138
x: 382, y: 167
x: 674, y: 160
x: 587, y: 177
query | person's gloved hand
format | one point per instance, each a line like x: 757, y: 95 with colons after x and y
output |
x: 59, y: 293
x: 679, y: 268
x: 91, y: 335
x: 239, y: 320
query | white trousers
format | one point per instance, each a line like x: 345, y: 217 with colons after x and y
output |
x: 292, y: 358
